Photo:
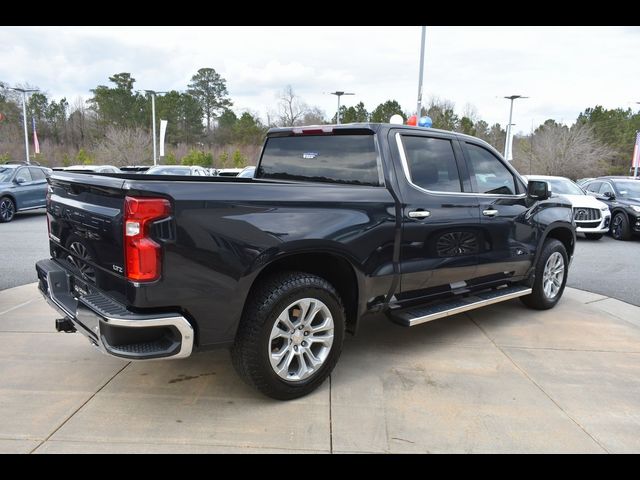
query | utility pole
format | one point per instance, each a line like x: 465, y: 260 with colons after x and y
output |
x: 153, y: 94
x: 24, y: 116
x: 419, y: 108
x: 339, y: 94
x: 508, y: 155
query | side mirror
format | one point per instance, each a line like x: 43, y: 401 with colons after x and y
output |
x: 20, y: 180
x: 609, y: 195
x: 538, y: 190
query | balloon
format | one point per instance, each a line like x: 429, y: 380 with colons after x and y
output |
x: 396, y: 119
x: 425, y: 122
x: 413, y: 120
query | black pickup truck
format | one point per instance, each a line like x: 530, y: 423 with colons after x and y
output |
x: 340, y: 222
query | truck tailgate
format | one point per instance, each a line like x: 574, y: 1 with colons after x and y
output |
x: 85, y: 215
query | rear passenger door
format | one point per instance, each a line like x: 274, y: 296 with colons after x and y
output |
x: 40, y: 186
x: 440, y: 223
x: 509, y: 239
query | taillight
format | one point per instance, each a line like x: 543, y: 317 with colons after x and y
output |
x: 142, y: 254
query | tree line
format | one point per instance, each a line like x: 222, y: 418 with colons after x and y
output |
x: 113, y: 127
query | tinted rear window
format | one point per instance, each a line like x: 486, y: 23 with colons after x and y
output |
x: 325, y: 158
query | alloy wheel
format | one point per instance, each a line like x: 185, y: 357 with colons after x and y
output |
x: 553, y: 275
x: 301, y: 339
x: 7, y: 210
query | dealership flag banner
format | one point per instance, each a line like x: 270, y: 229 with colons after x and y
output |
x: 635, y: 163
x: 163, y: 130
x: 36, y: 143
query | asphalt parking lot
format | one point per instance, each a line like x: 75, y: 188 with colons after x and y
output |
x: 608, y: 267
x: 501, y: 379
x: 22, y: 243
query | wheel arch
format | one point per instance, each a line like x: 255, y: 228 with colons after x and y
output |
x: 561, y: 232
x: 333, y: 267
x: 13, y: 198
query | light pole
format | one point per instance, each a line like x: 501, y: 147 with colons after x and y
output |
x: 153, y: 94
x: 508, y: 155
x: 339, y: 94
x: 424, y: 32
x: 24, y: 116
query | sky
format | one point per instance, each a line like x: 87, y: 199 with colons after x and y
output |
x: 562, y: 69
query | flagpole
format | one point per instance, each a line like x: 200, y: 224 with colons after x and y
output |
x: 636, y: 156
x: 24, y: 116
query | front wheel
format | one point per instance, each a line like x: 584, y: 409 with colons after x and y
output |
x: 593, y: 236
x: 551, y: 273
x: 620, y: 229
x: 290, y: 336
x: 7, y: 209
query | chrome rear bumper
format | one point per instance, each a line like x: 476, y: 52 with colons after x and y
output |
x: 108, y: 324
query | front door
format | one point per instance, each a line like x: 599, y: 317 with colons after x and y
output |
x: 440, y: 226
x: 510, y: 239
x: 26, y: 190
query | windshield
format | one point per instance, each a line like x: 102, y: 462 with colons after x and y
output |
x: 563, y: 186
x: 169, y: 171
x: 628, y: 188
x: 6, y: 173
x: 247, y: 172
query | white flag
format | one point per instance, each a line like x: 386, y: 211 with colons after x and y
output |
x: 163, y: 130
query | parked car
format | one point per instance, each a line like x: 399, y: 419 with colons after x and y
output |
x: 93, y: 169
x: 339, y: 223
x: 592, y: 217
x: 228, y: 172
x: 247, y: 172
x: 622, y: 195
x: 22, y: 187
x: 177, y: 170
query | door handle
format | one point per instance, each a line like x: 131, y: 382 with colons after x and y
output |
x: 490, y: 212
x: 419, y: 214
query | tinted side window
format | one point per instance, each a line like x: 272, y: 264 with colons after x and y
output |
x: 488, y: 173
x: 432, y: 164
x: 606, y: 188
x: 594, y: 187
x: 24, y: 175
x: 321, y: 158
x: 37, y: 174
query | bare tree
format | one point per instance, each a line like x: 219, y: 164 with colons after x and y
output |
x: 556, y: 149
x: 124, y: 146
x: 291, y: 109
x: 313, y: 116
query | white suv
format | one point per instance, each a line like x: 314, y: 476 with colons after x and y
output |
x: 591, y: 216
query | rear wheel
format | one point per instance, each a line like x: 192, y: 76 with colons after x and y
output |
x: 620, y: 229
x: 550, y: 276
x: 290, y: 336
x: 7, y: 209
x: 593, y: 236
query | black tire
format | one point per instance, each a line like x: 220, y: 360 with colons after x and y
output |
x: 538, y: 299
x: 7, y: 209
x: 251, y: 350
x: 593, y: 236
x: 620, y: 229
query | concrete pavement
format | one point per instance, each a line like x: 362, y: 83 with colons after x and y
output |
x: 502, y: 379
